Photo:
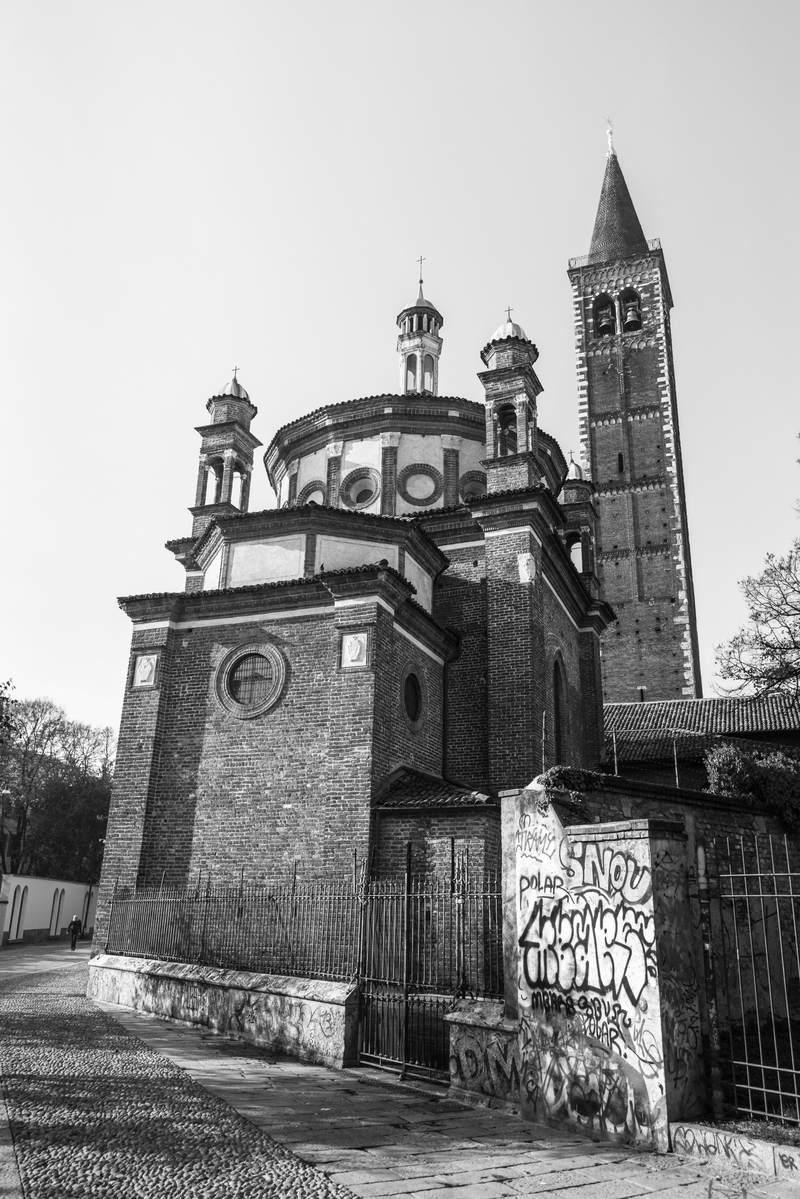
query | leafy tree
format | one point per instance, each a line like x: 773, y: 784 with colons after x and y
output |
x: 763, y: 658
x: 771, y: 777
x: 67, y: 828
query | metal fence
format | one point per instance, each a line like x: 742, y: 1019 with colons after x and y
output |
x: 427, y: 941
x: 756, y: 962
x: 302, y: 928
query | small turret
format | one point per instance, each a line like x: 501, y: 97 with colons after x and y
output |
x: 226, y: 455
x: 419, y: 345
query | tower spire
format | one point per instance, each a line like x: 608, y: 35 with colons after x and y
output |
x: 617, y: 231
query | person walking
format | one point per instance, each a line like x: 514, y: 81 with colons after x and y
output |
x: 74, y: 930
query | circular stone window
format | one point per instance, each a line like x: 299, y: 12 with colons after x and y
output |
x: 360, y: 488
x: 420, y: 484
x: 472, y: 485
x: 250, y: 680
x: 312, y: 493
x: 412, y: 697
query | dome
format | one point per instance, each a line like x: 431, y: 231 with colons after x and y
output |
x: 574, y: 471
x: 235, y: 389
x: 421, y: 303
x: 509, y: 329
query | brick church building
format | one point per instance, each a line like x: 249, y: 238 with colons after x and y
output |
x: 417, y: 624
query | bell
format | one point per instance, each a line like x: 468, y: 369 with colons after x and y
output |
x: 605, y: 321
x: 633, y: 318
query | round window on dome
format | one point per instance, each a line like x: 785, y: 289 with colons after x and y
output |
x: 420, y: 484
x: 250, y: 679
x: 360, y: 488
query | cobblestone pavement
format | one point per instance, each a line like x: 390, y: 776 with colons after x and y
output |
x: 195, y: 1109
x: 94, y: 1111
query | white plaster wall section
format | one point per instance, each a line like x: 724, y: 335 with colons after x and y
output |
x: 266, y: 561
x: 335, y: 553
x: 420, y: 579
x: 312, y: 466
x: 366, y: 452
x: 39, y: 902
x: 416, y: 448
x: 211, y: 576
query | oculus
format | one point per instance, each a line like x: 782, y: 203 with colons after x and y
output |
x: 412, y: 697
x: 360, y: 488
x: 420, y: 484
x: 250, y: 680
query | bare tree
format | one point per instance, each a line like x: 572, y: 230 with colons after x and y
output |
x: 763, y: 658
x: 46, y: 748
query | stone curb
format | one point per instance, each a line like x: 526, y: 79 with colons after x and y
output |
x: 735, y: 1151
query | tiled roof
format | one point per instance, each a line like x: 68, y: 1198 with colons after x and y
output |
x: 412, y: 789
x: 617, y: 231
x: 652, y: 731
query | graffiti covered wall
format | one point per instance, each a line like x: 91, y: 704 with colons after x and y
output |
x: 605, y: 973
x: 603, y: 1030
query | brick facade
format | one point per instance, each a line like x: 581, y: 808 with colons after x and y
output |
x: 630, y: 442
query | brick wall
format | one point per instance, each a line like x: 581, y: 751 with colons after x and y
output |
x: 460, y: 603
x: 630, y: 438
x: 434, y: 835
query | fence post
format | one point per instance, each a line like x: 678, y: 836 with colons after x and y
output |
x: 205, y: 922
x: 406, y: 961
x: 715, y: 1073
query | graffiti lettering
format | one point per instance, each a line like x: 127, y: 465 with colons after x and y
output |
x: 572, y: 944
x: 787, y: 1161
x: 537, y: 842
x: 612, y: 872
x: 547, y: 883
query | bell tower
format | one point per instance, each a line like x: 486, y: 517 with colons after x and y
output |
x: 630, y: 446
x: 226, y: 456
x: 419, y: 345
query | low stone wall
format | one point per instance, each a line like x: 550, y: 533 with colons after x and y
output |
x: 311, y: 1019
x: 485, y: 1064
x: 737, y: 1151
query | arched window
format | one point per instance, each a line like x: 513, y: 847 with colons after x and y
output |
x: 631, y: 305
x: 576, y: 553
x: 236, y: 487
x: 54, y: 914
x: 60, y: 911
x: 411, y: 372
x: 427, y: 373
x: 620, y: 463
x: 605, y: 318
x: 213, y: 482
x: 559, y: 713
x: 506, y: 431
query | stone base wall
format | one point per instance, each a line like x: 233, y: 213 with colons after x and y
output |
x: 485, y: 1062
x: 310, y: 1019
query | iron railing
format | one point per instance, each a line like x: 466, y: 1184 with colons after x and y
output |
x: 427, y: 942
x: 584, y: 260
x: 303, y: 928
x: 449, y: 929
x: 757, y: 964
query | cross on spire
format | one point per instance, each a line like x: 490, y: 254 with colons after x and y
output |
x: 610, y: 134
x: 509, y: 310
x: 420, y: 260
x: 235, y: 369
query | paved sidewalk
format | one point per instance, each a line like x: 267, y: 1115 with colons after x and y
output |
x: 215, y: 1106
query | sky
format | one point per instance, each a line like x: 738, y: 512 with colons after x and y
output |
x: 190, y: 186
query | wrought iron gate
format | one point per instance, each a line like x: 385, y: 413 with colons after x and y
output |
x: 427, y: 941
x: 753, y: 919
